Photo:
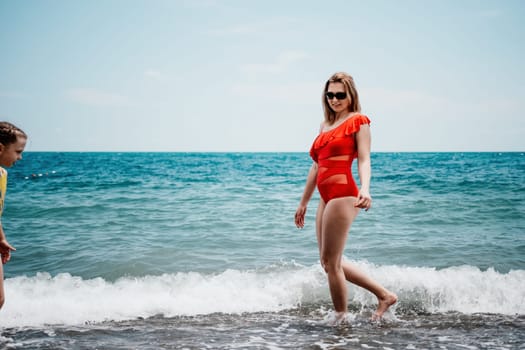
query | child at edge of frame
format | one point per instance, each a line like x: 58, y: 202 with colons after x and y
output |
x: 12, y: 144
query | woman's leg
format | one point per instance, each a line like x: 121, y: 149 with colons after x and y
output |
x: 385, y: 298
x: 351, y: 273
x: 337, y: 217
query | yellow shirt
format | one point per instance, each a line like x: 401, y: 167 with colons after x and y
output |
x: 3, y: 187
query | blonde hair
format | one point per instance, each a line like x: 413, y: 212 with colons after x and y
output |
x: 351, y: 95
x: 9, y: 133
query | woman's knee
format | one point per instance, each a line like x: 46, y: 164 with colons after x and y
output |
x: 330, y: 264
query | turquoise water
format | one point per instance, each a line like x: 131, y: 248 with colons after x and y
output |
x: 160, y: 241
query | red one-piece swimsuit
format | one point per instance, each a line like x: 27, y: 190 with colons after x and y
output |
x: 333, y: 151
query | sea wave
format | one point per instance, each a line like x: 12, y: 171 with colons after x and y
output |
x: 65, y: 299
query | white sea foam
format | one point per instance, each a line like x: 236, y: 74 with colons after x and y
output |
x: 65, y: 299
x: 464, y: 289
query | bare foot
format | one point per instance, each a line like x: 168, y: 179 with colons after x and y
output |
x: 383, y: 304
x: 340, y: 317
x: 337, y: 318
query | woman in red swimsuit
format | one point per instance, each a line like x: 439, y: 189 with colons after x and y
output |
x: 344, y: 135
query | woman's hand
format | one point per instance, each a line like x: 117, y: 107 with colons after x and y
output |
x: 299, y: 216
x: 5, y: 251
x: 364, y: 200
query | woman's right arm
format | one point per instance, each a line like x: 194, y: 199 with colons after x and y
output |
x: 307, y: 194
x: 5, y: 247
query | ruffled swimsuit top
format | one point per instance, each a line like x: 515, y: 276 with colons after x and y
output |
x: 339, y: 141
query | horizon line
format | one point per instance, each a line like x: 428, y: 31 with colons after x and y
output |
x: 145, y: 151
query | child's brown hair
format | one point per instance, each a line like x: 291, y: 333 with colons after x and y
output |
x: 9, y: 133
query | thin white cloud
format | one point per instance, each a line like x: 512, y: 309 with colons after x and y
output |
x: 240, y: 29
x: 200, y: 4
x: 12, y: 94
x: 152, y: 74
x: 305, y: 93
x: 503, y: 105
x: 403, y: 99
x: 429, y: 104
x: 280, y: 65
x: 270, y: 26
x: 487, y: 14
x: 96, y: 97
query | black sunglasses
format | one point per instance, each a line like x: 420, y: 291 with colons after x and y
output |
x: 337, y: 95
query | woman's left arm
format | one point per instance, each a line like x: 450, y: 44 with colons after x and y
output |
x: 363, y: 139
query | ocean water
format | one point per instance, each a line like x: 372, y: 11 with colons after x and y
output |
x: 200, y: 251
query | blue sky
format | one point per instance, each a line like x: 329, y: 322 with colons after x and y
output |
x: 237, y: 75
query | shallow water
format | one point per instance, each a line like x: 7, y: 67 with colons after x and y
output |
x: 301, y: 328
x: 199, y: 250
